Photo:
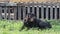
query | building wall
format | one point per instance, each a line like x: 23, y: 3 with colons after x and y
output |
x: 29, y: 0
x: 34, y: 0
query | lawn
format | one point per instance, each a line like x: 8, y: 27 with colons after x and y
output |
x: 13, y: 27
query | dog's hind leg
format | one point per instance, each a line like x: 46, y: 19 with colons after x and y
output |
x: 28, y: 28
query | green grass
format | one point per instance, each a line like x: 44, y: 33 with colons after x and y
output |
x: 13, y: 27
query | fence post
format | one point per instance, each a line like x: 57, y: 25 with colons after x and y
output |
x: 47, y: 12
x: 37, y: 12
x: 32, y: 9
x: 28, y: 9
x: 5, y: 11
x: 0, y: 13
x: 51, y: 13
x: 15, y: 12
x: 24, y: 11
x: 8, y: 13
x: 19, y: 12
x: 59, y: 12
x: 56, y: 13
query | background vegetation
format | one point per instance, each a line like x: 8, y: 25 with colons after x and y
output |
x: 13, y: 27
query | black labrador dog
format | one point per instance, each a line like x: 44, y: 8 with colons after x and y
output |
x: 31, y: 21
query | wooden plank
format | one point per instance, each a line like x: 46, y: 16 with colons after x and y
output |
x: 15, y: 12
x: 0, y: 13
x: 19, y: 13
x: 51, y: 13
x: 47, y: 12
x: 28, y: 9
x: 37, y: 12
x: 24, y: 11
x: 33, y: 9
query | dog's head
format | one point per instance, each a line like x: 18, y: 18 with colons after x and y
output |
x: 30, y: 17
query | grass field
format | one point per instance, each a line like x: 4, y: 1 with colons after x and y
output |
x: 12, y: 27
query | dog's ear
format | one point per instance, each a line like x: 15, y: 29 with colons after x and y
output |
x: 26, y: 18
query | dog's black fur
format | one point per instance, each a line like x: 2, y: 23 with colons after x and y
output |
x: 35, y: 22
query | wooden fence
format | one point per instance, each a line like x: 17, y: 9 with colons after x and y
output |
x: 17, y: 11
